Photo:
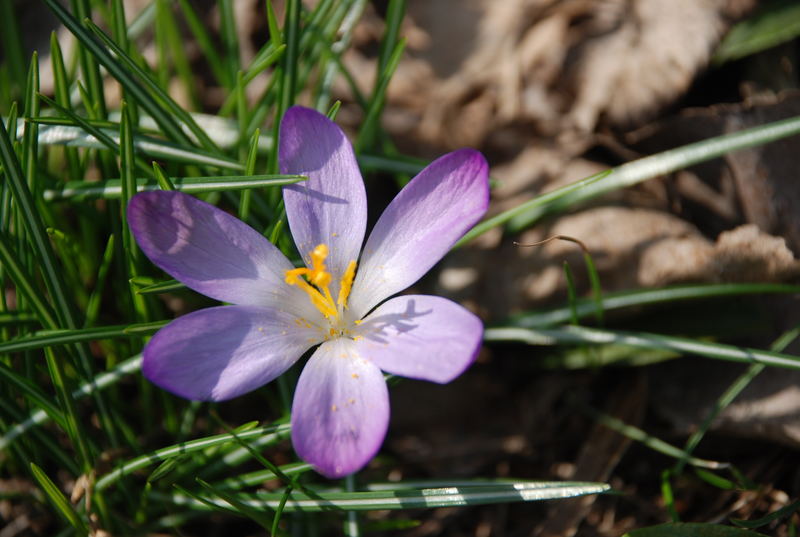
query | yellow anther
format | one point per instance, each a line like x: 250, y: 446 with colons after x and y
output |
x: 317, y: 281
x: 346, y: 284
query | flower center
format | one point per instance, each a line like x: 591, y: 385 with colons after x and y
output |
x: 315, y: 281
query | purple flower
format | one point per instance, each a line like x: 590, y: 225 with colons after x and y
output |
x: 338, y: 300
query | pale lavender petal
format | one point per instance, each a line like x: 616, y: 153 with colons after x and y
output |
x: 340, y: 411
x: 219, y: 353
x: 212, y: 252
x: 331, y: 207
x: 422, y: 337
x: 420, y: 225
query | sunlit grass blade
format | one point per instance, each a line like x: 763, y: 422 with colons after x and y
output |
x: 634, y: 172
x: 59, y: 501
x: 112, y: 188
x: 97, y: 133
x: 77, y: 137
x: 397, y: 496
x: 647, y: 297
x: 581, y: 335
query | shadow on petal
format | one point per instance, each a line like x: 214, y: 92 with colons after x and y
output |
x: 379, y: 328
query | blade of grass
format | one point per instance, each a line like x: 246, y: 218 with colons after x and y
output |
x: 267, y: 434
x: 162, y: 97
x: 77, y: 137
x: 59, y: 501
x: 204, y: 42
x: 112, y: 188
x: 61, y: 89
x: 647, y: 297
x: 634, y: 172
x: 100, y: 382
x: 94, y: 49
x: 582, y: 335
x: 405, y: 498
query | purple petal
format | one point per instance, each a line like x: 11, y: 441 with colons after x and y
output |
x: 211, y: 251
x: 219, y: 353
x: 340, y: 411
x: 422, y: 337
x: 420, y: 225
x: 331, y: 207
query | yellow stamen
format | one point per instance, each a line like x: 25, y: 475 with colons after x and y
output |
x: 346, y: 284
x: 317, y: 281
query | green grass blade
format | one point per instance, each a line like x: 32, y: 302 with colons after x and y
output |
x: 401, y: 497
x: 36, y: 230
x: 30, y: 140
x: 204, y: 42
x: 271, y: 434
x: 12, y: 43
x: 59, y: 501
x: 731, y: 393
x: 647, y: 297
x: 107, y: 141
x: 61, y: 88
x: 230, y: 40
x: 24, y: 283
x: 656, y: 444
x: 691, y: 529
x: 112, y: 188
x: 634, y: 172
x: 241, y: 507
x: 86, y: 54
x: 134, y: 88
x: 40, y: 416
x: 170, y: 106
x: 763, y: 521
x: 50, y: 338
x: 773, y: 23
x: 369, y: 128
x: 581, y: 335
x: 153, y: 147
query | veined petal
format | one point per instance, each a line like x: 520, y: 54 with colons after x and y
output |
x: 340, y: 411
x: 211, y: 251
x: 420, y: 225
x: 219, y: 353
x: 331, y: 207
x: 422, y: 337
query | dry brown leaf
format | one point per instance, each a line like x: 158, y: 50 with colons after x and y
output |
x: 565, y: 64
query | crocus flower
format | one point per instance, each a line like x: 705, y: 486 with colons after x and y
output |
x: 337, y: 301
